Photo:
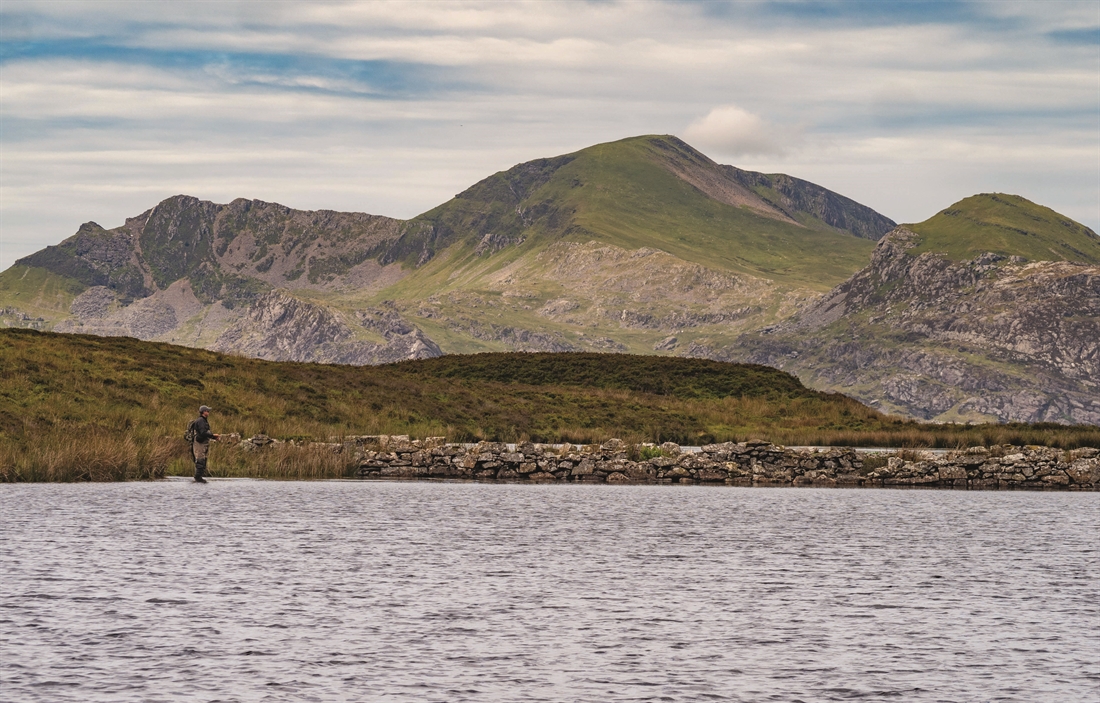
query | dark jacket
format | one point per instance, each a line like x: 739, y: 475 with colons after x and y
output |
x: 202, y: 430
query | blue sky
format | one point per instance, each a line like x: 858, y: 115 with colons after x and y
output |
x: 390, y: 108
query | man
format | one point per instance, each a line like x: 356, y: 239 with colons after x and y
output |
x: 201, y: 444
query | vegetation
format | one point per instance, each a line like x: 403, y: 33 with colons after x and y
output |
x: 76, y: 407
x: 1007, y: 225
x: 37, y: 291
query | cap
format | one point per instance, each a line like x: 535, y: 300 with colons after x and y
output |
x: 203, y: 409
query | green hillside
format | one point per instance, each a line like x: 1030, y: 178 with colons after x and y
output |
x: 1008, y: 225
x: 622, y: 193
x: 38, y: 291
x: 52, y: 381
x: 663, y: 376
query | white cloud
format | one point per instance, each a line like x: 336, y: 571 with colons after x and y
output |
x: 392, y: 107
x: 731, y: 131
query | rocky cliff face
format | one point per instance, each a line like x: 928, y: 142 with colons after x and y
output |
x: 994, y: 337
x: 279, y: 327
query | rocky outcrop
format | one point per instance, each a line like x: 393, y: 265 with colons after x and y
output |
x: 99, y: 311
x: 991, y: 338
x: 756, y: 463
x: 14, y: 317
x: 280, y: 327
x: 97, y: 257
x: 803, y: 200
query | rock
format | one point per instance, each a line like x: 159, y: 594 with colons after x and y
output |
x: 666, y: 344
x: 1084, y: 471
x: 765, y: 464
x: 951, y: 473
x: 613, y: 445
x: 584, y: 468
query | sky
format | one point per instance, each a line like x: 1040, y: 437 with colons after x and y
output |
x: 391, y: 108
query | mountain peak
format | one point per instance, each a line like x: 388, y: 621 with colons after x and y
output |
x: 1005, y: 224
x: 775, y: 196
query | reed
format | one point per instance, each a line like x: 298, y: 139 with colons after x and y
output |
x: 282, y: 461
x: 86, y: 454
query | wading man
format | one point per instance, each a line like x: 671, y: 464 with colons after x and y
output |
x: 200, y: 443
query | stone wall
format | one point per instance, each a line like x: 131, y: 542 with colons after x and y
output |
x: 736, y: 464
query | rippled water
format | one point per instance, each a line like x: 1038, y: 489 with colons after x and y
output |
x: 334, y: 591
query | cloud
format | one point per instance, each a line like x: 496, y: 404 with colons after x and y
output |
x: 735, y: 132
x: 392, y: 107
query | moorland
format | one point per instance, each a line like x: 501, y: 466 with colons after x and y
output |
x: 83, y: 407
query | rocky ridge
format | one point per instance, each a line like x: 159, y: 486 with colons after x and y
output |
x: 995, y: 337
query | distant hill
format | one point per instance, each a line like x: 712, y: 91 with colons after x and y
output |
x: 987, y: 311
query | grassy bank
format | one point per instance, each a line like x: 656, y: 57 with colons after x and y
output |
x: 76, y: 407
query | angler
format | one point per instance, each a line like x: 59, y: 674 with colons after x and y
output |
x: 199, y: 435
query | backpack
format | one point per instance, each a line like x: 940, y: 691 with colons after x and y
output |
x: 191, y: 434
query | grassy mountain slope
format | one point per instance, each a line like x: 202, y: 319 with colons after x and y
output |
x: 37, y: 291
x: 635, y: 193
x: 621, y: 247
x: 1007, y: 225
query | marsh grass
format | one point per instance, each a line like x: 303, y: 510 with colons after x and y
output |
x: 282, y: 461
x: 82, y: 408
x: 86, y: 455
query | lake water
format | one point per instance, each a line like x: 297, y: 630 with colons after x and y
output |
x: 374, y: 591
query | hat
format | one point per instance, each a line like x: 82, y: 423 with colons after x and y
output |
x: 203, y: 409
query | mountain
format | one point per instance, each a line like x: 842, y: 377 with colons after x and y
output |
x: 986, y: 311
x: 989, y: 310
x: 617, y: 247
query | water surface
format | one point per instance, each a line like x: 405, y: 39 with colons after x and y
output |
x: 375, y: 591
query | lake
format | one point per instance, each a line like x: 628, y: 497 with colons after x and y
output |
x: 389, y: 591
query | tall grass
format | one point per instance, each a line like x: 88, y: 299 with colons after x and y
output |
x: 281, y: 461
x: 86, y: 455
x: 79, y: 408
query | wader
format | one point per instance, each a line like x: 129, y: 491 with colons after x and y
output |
x: 198, y: 452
